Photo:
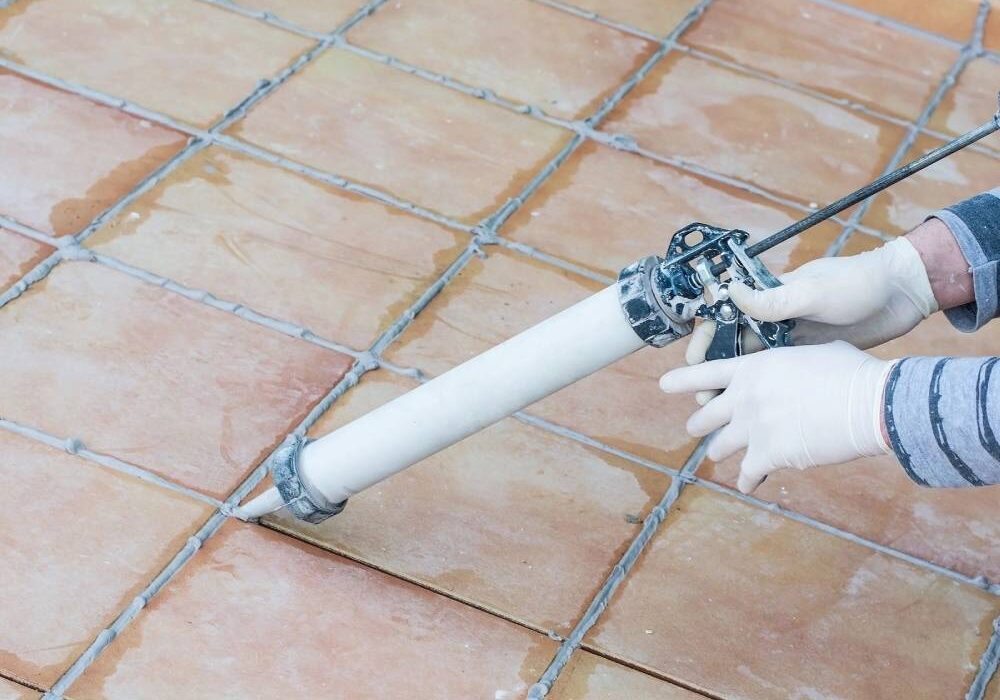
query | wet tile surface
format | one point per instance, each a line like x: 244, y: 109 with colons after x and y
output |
x: 591, y: 677
x: 256, y: 614
x: 187, y: 59
x: 507, y: 505
x: 12, y: 691
x: 953, y: 20
x: 74, y: 158
x: 79, y: 543
x: 418, y: 140
x: 286, y: 246
x: 495, y: 299
x: 906, y: 204
x: 316, y: 17
x: 745, y: 603
x: 472, y: 41
x: 972, y: 102
x: 783, y: 141
x: 825, y: 49
x: 189, y: 392
x: 604, y: 209
x: 18, y: 255
x: 658, y: 18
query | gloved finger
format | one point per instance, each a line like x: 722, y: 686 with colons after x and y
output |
x: 703, y: 397
x: 728, y: 442
x: 776, y: 304
x: 753, y: 471
x: 708, y: 375
x: 715, y: 414
x: 698, y: 344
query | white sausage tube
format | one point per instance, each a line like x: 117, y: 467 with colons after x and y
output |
x: 539, y: 361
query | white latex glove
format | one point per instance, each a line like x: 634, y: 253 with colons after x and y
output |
x: 865, y: 299
x: 794, y: 407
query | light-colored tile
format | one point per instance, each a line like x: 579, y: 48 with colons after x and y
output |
x: 526, y: 52
x: 420, y: 141
x: 847, y: 57
x: 656, y: 17
x: 315, y: 16
x: 192, y: 393
x: 590, y: 677
x: 12, y: 691
x: 744, y: 603
x: 604, y: 209
x: 513, y: 519
x: 289, y: 247
x: 779, y: 139
x: 257, y: 614
x: 496, y: 298
x: 79, y: 543
x: 69, y: 159
x: 953, y: 19
x: 181, y: 57
x: 18, y: 255
x: 972, y: 101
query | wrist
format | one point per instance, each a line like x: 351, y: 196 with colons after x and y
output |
x: 947, y: 270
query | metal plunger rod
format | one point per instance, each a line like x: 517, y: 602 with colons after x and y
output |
x: 875, y: 187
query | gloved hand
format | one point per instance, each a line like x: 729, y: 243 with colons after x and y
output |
x: 865, y: 299
x: 794, y: 407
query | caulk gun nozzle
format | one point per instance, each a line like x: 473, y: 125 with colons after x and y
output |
x: 267, y: 502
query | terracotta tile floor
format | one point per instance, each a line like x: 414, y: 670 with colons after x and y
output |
x: 193, y: 297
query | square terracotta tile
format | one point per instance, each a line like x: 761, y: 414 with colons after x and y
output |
x: 825, y: 49
x: 782, y: 140
x: 184, y: 58
x: 67, y: 158
x: 509, y: 47
x: 287, y: 246
x: 257, y: 614
x: 953, y: 19
x: 514, y: 519
x: 79, y: 543
x: 591, y: 677
x: 420, y: 141
x: 907, y: 203
x: 194, y: 394
x: 494, y: 299
x: 317, y: 17
x: 12, y: 691
x: 991, y: 33
x: 972, y: 101
x: 658, y: 18
x: 604, y: 209
x: 18, y: 255
x: 741, y: 602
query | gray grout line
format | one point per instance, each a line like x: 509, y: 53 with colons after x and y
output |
x: 552, y: 260
x: 615, y: 578
x: 75, y: 446
x: 888, y: 22
x: 31, y: 277
x: 987, y: 665
x: 600, y: 19
x: 28, y: 232
x: 967, y: 54
x: 265, y: 16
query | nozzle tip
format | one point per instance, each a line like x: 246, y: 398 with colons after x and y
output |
x: 267, y: 502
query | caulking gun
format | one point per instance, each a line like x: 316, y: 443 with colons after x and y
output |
x: 654, y: 302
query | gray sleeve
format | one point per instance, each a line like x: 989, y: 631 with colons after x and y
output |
x: 943, y: 419
x: 975, y: 223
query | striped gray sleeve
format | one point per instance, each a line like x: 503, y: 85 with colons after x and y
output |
x: 975, y: 223
x: 943, y: 419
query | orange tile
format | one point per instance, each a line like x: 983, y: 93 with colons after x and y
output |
x: 659, y: 18
x: 257, y: 614
x: 339, y: 264
x: 740, y: 602
x: 79, y: 543
x: 604, y: 209
x: 825, y: 49
x: 590, y: 677
x: 991, y: 32
x: 906, y: 204
x: 194, y: 394
x: 563, y: 64
x: 12, y: 691
x: 507, y: 508
x: 737, y: 125
x: 184, y: 58
x: 422, y: 142
x: 71, y: 158
x: 495, y: 299
x: 971, y: 102
x: 18, y: 255
x: 316, y: 17
x: 953, y: 20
